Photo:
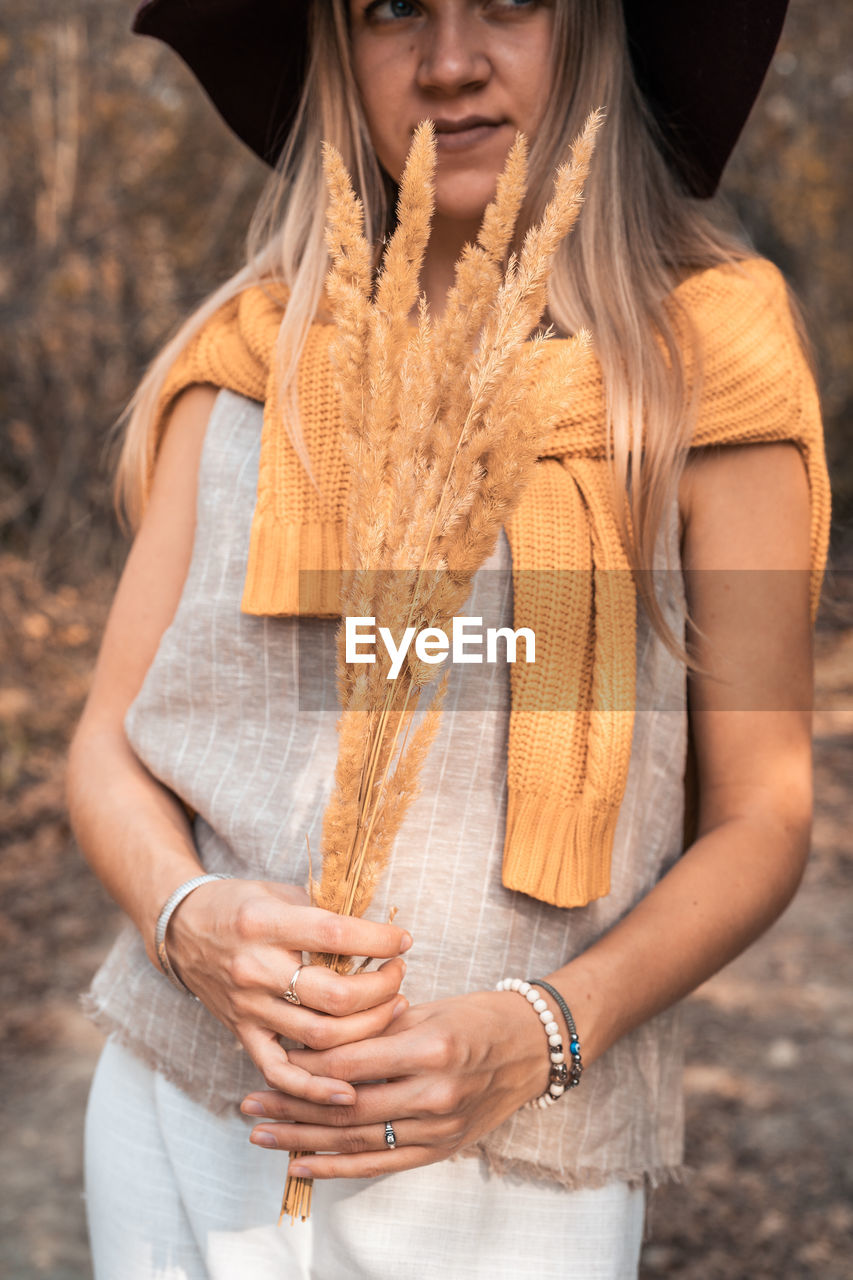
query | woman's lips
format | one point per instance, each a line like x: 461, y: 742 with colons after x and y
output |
x: 462, y: 139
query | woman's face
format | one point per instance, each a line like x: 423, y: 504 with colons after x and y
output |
x: 480, y: 69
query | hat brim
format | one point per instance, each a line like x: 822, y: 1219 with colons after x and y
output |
x: 699, y: 65
x: 248, y: 55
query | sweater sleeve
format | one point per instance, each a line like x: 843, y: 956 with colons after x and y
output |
x: 756, y: 382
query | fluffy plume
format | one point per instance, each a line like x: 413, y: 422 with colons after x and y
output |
x: 443, y: 424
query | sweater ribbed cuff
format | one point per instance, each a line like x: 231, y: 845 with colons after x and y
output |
x: 293, y: 568
x: 558, y: 853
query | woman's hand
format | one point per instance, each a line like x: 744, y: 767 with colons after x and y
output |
x: 237, y: 943
x: 452, y: 1070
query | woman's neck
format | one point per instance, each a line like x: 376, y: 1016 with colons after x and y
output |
x: 447, y: 239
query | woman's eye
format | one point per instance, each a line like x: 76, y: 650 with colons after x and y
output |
x: 385, y: 9
x: 515, y: 4
x: 388, y: 10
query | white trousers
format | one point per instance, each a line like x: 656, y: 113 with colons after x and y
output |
x: 176, y: 1193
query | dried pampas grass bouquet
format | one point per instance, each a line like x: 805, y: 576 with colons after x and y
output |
x: 443, y: 423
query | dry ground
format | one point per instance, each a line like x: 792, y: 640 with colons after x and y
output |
x: 770, y: 1050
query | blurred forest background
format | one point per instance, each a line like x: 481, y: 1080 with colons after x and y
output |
x: 124, y: 201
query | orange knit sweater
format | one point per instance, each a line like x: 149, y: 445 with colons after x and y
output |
x: 571, y: 719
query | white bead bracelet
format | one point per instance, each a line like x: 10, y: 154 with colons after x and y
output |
x: 560, y: 1077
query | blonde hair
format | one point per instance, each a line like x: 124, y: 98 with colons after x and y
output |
x: 638, y: 237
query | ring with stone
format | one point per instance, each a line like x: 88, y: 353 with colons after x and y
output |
x: 290, y: 994
x: 390, y: 1135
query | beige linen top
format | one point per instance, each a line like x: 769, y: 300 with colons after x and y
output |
x: 237, y: 716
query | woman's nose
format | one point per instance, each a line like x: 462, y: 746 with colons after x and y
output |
x: 454, y: 55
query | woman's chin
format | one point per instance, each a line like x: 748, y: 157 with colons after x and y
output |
x: 463, y: 202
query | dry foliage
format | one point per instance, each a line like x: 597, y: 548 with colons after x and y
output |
x: 125, y: 201
x: 443, y: 422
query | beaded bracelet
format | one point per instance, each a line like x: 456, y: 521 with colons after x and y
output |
x: 576, y: 1069
x: 560, y: 1076
x: 172, y: 902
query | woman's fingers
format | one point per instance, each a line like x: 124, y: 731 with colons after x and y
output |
x: 261, y: 919
x: 404, y: 1051
x: 281, y: 1074
x: 372, y: 1164
x: 321, y: 989
x: 443, y: 1074
x: 374, y: 1104
x: 319, y: 1031
x: 356, y: 1138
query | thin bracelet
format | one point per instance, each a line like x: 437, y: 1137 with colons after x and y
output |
x: 558, y: 1077
x: 576, y: 1069
x: 173, y: 901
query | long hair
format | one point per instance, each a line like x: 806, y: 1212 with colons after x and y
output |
x: 640, y: 234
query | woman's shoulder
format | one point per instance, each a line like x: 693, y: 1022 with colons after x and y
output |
x: 755, y: 369
x: 742, y: 308
x: 733, y: 279
x: 756, y: 388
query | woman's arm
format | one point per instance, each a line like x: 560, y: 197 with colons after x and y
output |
x: 746, y: 562
x: 746, y: 558
x: 134, y: 833
x: 236, y: 944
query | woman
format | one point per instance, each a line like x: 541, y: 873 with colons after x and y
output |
x: 197, y: 755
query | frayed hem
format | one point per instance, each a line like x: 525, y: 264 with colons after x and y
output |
x: 579, y: 1179
x: 213, y: 1102
x: 499, y: 1166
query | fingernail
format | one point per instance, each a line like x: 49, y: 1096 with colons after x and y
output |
x: 263, y: 1139
x: 400, y: 1007
x: 343, y: 1099
x: 252, y: 1108
x: 299, y: 1170
x: 406, y: 942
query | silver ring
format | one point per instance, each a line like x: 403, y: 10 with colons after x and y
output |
x: 390, y: 1135
x: 290, y: 994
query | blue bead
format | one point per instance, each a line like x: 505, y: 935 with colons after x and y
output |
x: 574, y: 1046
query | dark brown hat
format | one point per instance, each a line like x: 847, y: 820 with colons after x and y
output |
x: 700, y: 66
